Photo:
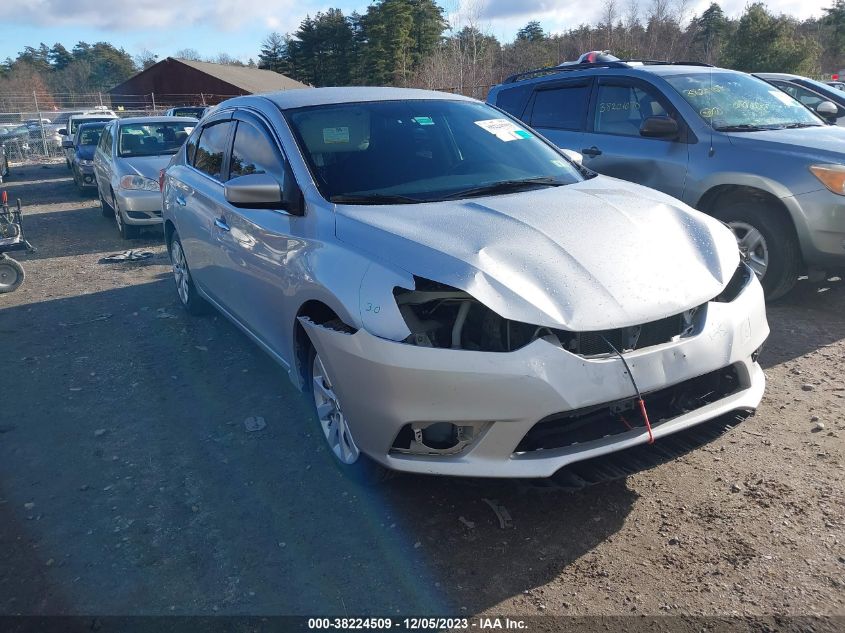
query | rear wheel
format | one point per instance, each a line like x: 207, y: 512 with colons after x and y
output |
x: 11, y: 275
x: 334, y: 425
x: 767, y: 242
x: 188, y: 295
x: 105, y: 209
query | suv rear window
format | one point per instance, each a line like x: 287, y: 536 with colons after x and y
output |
x: 563, y: 108
x: 513, y: 100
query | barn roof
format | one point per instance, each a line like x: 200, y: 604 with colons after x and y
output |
x: 245, y: 78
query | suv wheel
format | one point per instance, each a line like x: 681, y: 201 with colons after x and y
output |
x: 333, y: 423
x: 767, y: 242
x: 188, y: 295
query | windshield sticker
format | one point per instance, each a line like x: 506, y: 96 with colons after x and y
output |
x: 709, y: 113
x: 784, y: 98
x: 424, y: 120
x: 504, y: 130
x: 334, y: 135
x: 700, y: 92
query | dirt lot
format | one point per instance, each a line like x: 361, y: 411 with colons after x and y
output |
x: 129, y: 485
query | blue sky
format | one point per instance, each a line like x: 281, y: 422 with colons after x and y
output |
x: 236, y: 27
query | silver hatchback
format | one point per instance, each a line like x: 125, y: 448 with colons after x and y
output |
x: 129, y: 156
x: 457, y: 296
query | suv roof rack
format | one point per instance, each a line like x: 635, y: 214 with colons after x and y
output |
x: 622, y: 63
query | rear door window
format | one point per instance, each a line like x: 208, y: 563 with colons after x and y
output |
x: 562, y: 107
x: 211, y: 149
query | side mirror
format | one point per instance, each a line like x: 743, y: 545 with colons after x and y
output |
x: 67, y: 144
x: 659, y: 127
x: 63, y: 131
x: 828, y: 110
x: 571, y: 154
x: 261, y: 191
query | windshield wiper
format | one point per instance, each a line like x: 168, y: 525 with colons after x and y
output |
x: 792, y: 126
x: 374, y: 198
x: 743, y: 127
x: 505, y: 186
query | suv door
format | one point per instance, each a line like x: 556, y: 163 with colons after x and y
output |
x: 613, y: 145
x: 558, y: 110
x: 259, y: 247
x: 198, y: 202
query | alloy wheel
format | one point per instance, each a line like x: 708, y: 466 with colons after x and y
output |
x: 752, y: 245
x: 331, y: 417
x: 180, y: 271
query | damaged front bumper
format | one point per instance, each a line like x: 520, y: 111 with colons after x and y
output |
x: 388, y: 388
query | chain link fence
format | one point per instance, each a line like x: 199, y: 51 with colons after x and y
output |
x: 30, y: 122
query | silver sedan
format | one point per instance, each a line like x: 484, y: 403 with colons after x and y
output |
x: 456, y: 295
x: 127, y: 162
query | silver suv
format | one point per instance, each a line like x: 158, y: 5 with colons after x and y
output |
x: 724, y: 142
x: 458, y: 297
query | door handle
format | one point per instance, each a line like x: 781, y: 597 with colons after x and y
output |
x: 220, y: 223
x: 180, y: 201
x: 591, y: 151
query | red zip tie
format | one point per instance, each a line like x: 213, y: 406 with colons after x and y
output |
x: 5, y: 198
x: 647, y: 423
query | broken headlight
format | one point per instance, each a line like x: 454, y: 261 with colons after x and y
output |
x: 442, y: 316
x: 740, y: 279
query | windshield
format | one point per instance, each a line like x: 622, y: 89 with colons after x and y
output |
x: 417, y: 151
x: 731, y: 101
x: 152, y: 139
x: 75, y: 123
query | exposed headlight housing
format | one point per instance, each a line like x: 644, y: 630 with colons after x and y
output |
x: 740, y: 279
x: 139, y: 183
x: 831, y: 176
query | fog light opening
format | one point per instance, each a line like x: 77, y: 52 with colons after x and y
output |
x: 434, y: 438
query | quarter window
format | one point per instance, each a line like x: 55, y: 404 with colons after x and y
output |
x: 622, y: 109
x: 561, y: 108
x: 254, y: 153
x: 211, y: 149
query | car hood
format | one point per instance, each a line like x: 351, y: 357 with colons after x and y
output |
x: 86, y: 152
x: 147, y: 166
x: 594, y: 255
x: 827, y: 141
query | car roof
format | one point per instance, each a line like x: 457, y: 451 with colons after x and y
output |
x: 92, y: 115
x: 156, y: 119
x: 304, y: 97
x: 777, y: 76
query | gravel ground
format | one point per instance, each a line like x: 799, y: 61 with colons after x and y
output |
x: 129, y: 484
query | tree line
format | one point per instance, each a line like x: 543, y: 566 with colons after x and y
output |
x: 411, y: 43
x: 414, y: 43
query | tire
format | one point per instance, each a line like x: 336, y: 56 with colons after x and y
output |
x: 127, y: 231
x: 345, y: 454
x: 768, y: 242
x: 11, y: 275
x: 105, y: 209
x: 185, y: 288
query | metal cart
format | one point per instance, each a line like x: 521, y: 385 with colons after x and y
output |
x: 11, y: 239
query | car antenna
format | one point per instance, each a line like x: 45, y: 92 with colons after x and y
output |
x: 640, y: 401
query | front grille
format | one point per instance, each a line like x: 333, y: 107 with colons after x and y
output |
x: 635, y: 336
x: 590, y: 424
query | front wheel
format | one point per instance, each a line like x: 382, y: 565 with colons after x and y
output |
x: 335, y: 427
x: 127, y: 231
x: 11, y: 275
x: 768, y: 244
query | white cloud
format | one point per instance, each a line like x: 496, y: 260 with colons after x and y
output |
x: 131, y: 15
